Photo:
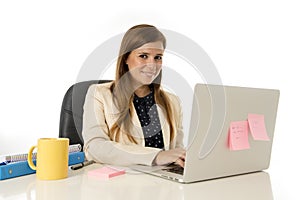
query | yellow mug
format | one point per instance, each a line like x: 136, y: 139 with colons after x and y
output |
x: 52, y: 158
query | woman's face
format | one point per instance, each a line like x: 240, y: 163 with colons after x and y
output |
x: 145, y: 62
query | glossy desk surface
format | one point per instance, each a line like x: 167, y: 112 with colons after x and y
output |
x: 134, y: 185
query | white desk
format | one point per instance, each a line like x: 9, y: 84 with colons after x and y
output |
x: 135, y: 185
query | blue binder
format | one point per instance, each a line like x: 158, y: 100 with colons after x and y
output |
x: 22, y: 168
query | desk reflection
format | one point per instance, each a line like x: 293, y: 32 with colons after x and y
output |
x: 249, y: 186
x: 137, y: 186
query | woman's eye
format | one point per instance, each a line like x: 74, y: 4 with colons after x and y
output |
x: 158, y: 57
x: 143, y: 56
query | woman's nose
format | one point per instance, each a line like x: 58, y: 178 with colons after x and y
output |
x: 151, y: 65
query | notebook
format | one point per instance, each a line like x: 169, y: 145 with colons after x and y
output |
x: 220, y: 140
x: 5, y: 159
x: 22, y: 168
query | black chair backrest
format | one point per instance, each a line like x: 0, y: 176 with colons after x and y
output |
x: 72, y: 109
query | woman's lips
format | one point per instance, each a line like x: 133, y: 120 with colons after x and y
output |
x: 149, y: 74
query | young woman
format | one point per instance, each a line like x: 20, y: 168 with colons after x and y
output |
x: 132, y: 120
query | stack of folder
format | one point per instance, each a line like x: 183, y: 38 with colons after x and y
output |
x: 16, y: 165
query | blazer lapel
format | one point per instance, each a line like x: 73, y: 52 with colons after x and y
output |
x: 164, y: 127
x: 137, y: 129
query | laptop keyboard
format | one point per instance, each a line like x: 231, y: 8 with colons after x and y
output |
x: 174, y: 169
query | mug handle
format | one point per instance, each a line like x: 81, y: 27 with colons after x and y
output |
x: 29, y: 158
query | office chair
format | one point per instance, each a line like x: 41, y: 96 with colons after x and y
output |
x: 72, y: 110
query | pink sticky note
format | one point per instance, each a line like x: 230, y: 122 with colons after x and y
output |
x: 257, y: 127
x: 105, y: 173
x: 238, y: 135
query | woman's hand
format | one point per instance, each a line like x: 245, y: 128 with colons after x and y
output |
x: 176, y: 156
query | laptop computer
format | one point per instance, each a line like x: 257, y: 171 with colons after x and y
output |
x: 208, y: 153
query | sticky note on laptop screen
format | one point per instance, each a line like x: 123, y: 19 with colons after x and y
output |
x: 258, y: 127
x: 238, y: 135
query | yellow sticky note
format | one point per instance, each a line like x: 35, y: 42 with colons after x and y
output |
x: 238, y: 135
x: 257, y: 127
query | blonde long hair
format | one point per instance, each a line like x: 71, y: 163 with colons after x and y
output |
x: 123, y: 90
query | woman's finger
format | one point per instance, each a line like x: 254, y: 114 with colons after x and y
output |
x: 179, y: 162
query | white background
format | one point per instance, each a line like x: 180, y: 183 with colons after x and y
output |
x: 44, y: 44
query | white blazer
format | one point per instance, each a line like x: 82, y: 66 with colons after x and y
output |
x: 99, y: 115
